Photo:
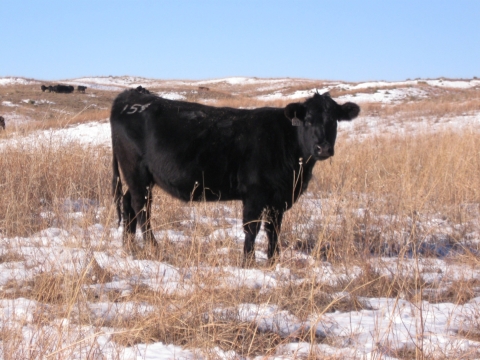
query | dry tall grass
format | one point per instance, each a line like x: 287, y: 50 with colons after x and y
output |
x: 371, y: 192
x: 381, y: 198
x: 38, y: 179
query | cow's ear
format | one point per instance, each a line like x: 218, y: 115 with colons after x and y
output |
x: 296, y: 113
x: 348, y: 111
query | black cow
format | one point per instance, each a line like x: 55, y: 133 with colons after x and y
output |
x: 142, y: 90
x: 2, y: 122
x: 195, y: 152
x: 65, y: 89
x: 43, y: 87
x: 81, y: 88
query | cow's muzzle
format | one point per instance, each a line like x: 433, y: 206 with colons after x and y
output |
x: 323, y: 151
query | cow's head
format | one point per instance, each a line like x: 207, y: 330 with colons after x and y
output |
x: 316, y: 122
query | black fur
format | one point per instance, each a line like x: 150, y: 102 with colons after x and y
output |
x: 197, y: 152
x: 142, y: 90
x: 2, y: 122
x: 66, y: 89
x: 81, y: 88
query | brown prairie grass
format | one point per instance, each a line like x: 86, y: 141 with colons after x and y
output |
x: 372, y: 191
x: 38, y: 180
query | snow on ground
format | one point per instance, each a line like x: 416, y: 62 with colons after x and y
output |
x: 16, y: 81
x: 385, y: 96
x: 98, y: 83
x: 371, y: 125
x: 172, y: 95
x: 461, y: 84
x: 93, y: 133
x: 36, y: 102
x: 8, y: 103
x: 299, y: 94
x: 381, y: 96
x: 404, y: 91
x: 15, y: 119
x: 244, y: 81
x: 382, y: 327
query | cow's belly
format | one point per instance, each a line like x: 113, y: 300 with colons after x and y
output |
x: 190, y: 182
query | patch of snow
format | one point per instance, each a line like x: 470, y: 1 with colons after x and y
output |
x: 266, y: 317
x: 240, y: 80
x: 456, y: 84
x: 125, y: 310
x: 93, y: 133
x: 382, y: 96
x: 385, y: 96
x: 43, y: 101
x: 172, y: 95
x: 16, y: 81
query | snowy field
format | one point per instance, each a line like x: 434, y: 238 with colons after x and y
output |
x: 378, y: 330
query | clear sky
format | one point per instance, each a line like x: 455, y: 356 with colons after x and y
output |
x: 356, y: 40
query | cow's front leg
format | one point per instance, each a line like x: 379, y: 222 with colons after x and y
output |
x: 273, y: 224
x: 252, y: 221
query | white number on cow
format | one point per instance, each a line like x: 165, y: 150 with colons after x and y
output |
x: 132, y: 109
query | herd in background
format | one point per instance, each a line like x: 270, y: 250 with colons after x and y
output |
x: 67, y: 89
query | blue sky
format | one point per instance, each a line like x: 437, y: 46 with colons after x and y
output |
x: 202, y: 39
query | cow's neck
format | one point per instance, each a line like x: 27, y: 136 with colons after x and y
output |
x: 307, y: 171
x: 303, y: 161
x: 302, y: 150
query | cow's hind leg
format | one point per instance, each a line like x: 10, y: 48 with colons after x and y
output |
x: 141, y: 194
x: 146, y: 224
x: 129, y: 219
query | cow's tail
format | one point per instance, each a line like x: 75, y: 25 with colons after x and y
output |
x: 117, y: 188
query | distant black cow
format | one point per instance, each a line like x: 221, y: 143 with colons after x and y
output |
x: 43, y: 87
x: 142, y: 90
x: 203, y: 88
x: 195, y: 152
x: 2, y: 122
x: 65, y: 89
x: 81, y: 88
